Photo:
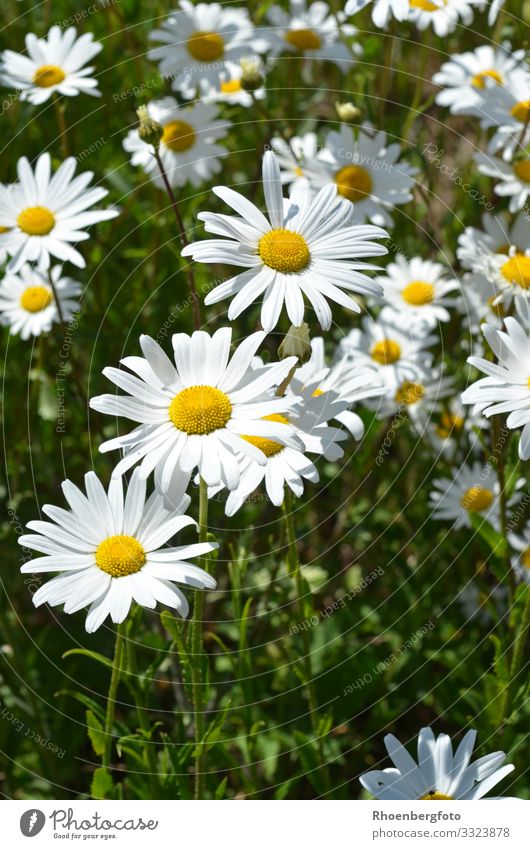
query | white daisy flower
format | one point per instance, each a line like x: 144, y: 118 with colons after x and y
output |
x: 521, y: 560
x: 27, y: 302
x: 308, y: 246
x: 513, y: 178
x: 499, y: 233
x: 109, y: 551
x: 188, y: 147
x: 456, y: 427
x: 381, y: 10
x: 467, y: 75
x: 470, y: 490
x: 309, y: 30
x: 482, y: 300
x: 296, y: 159
x: 197, y: 41
x: 507, y: 108
x: 418, y: 289
x: 439, y: 774
x: 230, y: 89
x: 506, y: 279
x: 418, y: 397
x: 53, y: 65
x: 496, y: 6
x: 506, y: 389
x: 442, y: 15
x: 395, y: 348
x: 43, y: 216
x: 193, y: 414
x: 366, y: 171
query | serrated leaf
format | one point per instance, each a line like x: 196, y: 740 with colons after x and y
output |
x: 95, y: 732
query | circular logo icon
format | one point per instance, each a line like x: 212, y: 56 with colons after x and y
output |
x: 32, y: 822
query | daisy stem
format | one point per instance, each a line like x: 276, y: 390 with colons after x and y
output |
x: 56, y: 299
x: 190, y: 277
x: 517, y: 657
x: 197, y: 651
x: 63, y: 134
x: 294, y: 567
x: 111, y: 698
x: 498, y: 454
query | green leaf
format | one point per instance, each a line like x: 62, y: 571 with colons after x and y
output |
x: 95, y: 732
x: 493, y: 538
x: 220, y: 792
x: 102, y: 785
x: 100, y: 658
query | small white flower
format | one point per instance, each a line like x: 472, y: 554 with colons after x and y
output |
x: 470, y: 490
x: 188, y: 147
x: 498, y: 235
x: 195, y: 413
x: 455, y: 430
x: 296, y: 158
x: 466, y: 77
x: 418, y: 289
x: 109, y: 551
x: 513, y: 178
x: 506, y: 107
x: 439, y: 774
x: 419, y: 398
x: 43, y: 216
x: 506, y: 389
x: 521, y: 560
x: 308, y: 246
x: 229, y: 89
x: 381, y: 10
x: 27, y: 303
x: 53, y: 65
x: 442, y: 15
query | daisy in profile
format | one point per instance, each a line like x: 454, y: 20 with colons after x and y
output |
x: 27, y: 302
x: 230, y: 88
x: 442, y: 15
x: 197, y: 40
x: 506, y: 389
x: 188, y: 148
x: 54, y: 64
x: 308, y: 246
x: 417, y: 397
x: 43, y: 216
x: 466, y: 76
x: 439, y: 774
x: 109, y: 551
x: 296, y: 159
x: 470, y: 490
x: 309, y: 30
x: 521, y: 559
x: 194, y: 413
x: 507, y: 107
x: 366, y: 171
x: 455, y: 427
x: 417, y: 289
x: 382, y: 10
x: 513, y: 178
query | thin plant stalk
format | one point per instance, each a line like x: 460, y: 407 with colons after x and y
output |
x: 517, y: 661
x: 63, y: 133
x: 111, y: 698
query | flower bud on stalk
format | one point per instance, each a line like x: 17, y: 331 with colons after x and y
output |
x: 252, y: 76
x: 348, y: 112
x: 149, y: 130
x: 296, y: 343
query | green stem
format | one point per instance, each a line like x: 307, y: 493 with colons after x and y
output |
x: 295, y: 569
x: 63, y: 135
x: 111, y: 698
x: 197, y: 651
x: 517, y: 657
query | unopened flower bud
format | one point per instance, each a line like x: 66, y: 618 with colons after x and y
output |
x: 252, y: 76
x: 149, y: 130
x: 297, y: 343
x: 348, y: 112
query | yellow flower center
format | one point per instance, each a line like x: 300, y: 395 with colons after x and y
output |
x: 522, y: 170
x: 268, y: 446
x: 353, y: 183
x: 525, y: 558
x: 436, y: 797
x: 120, y: 555
x: 178, y: 136
x: 448, y: 423
x: 476, y: 499
x: 409, y: 393
x: 386, y: 352
x: 521, y: 111
x: 479, y: 80
x: 48, y: 75
x: 517, y: 270
x: 284, y: 251
x: 231, y: 86
x: 426, y: 5
x: 303, y: 39
x: 418, y: 293
x: 36, y: 220
x: 200, y: 409
x: 206, y: 46
x: 317, y: 393
x: 35, y: 298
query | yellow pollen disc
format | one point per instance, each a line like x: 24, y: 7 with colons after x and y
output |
x: 448, y: 424
x: 517, y: 270
x: 205, y: 46
x: 36, y: 221
x: 303, y: 39
x: 525, y: 558
x: 386, y: 352
x: 353, y: 183
x: 35, y: 298
x: 120, y: 555
x: 479, y: 80
x: 284, y: 251
x: 426, y: 5
x: 200, y: 409
x: 521, y: 111
x: 409, y: 393
x: 231, y: 86
x: 522, y: 170
x: 298, y: 171
x: 476, y: 499
x: 178, y: 136
x: 268, y: 446
x: 48, y: 75
x: 418, y: 293
x: 317, y: 393
x: 436, y: 797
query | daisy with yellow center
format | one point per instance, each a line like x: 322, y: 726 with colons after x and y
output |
x: 442, y: 15
x: 418, y: 289
x: 471, y: 490
x: 27, y: 303
x: 311, y: 248
x: 309, y: 30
